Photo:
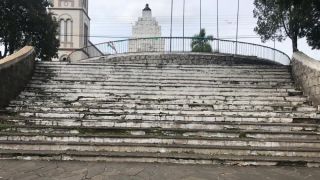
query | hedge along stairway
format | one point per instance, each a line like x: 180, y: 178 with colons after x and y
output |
x: 131, y: 111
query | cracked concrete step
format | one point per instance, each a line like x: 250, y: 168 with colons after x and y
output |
x: 68, y: 121
x: 159, y: 94
x: 177, y: 140
x: 163, y: 96
x: 80, y: 88
x: 175, y: 74
x: 126, y: 114
x: 152, y: 85
x: 303, y: 125
x: 149, y: 78
x: 118, y: 82
x: 79, y: 107
x: 232, y: 117
x: 108, y: 98
x: 162, y: 149
x: 162, y: 111
x: 160, y: 158
x: 163, y: 100
x: 163, y: 77
x: 170, y: 132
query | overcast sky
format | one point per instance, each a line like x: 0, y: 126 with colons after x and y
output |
x: 114, y: 18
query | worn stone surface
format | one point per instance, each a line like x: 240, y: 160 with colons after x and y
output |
x: 306, y: 72
x: 172, y: 108
x: 40, y: 170
x: 15, y: 72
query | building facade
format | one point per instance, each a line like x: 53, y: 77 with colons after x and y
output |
x: 74, y: 26
x: 146, y: 27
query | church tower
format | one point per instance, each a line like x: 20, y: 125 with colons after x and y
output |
x: 74, y: 25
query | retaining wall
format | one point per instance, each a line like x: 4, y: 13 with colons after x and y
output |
x: 15, y: 72
x: 306, y: 73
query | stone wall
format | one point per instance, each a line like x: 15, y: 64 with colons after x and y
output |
x: 15, y: 72
x: 185, y: 59
x: 306, y: 73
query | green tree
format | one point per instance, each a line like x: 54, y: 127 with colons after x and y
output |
x: 313, y: 33
x: 201, y: 42
x: 28, y: 23
x: 279, y: 19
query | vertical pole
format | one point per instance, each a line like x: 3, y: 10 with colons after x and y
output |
x: 237, y: 28
x: 171, y: 26
x: 200, y: 15
x: 218, y: 25
x: 274, y: 49
x: 184, y: 9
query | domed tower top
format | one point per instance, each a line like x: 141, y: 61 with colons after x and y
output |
x: 147, y: 8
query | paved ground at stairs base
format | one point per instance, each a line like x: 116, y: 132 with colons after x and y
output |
x: 41, y: 170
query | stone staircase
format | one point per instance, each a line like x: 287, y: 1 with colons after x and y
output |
x: 131, y: 111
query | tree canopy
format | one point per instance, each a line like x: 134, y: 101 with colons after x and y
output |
x: 201, y: 42
x: 279, y: 19
x: 28, y: 23
x: 313, y: 32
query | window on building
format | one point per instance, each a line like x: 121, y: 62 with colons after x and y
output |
x: 69, y: 30
x: 62, y: 30
x: 66, y: 31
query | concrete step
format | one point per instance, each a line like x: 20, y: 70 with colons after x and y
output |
x: 82, y: 87
x: 163, y: 73
x: 154, y: 84
x: 294, y: 125
x: 160, y: 94
x: 160, y: 99
x: 169, y: 132
x: 187, y: 111
x: 174, y: 115
x: 82, y: 107
x: 149, y: 78
x: 162, y: 149
x: 162, y: 140
x: 217, y: 84
x: 159, y: 158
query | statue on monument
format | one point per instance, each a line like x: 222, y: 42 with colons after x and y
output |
x: 146, y: 27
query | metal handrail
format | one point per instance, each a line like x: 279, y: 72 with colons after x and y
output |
x: 181, y: 45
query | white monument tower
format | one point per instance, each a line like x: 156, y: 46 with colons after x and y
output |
x: 74, y: 28
x: 146, y: 27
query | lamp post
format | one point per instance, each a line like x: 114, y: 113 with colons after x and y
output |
x: 171, y: 26
x: 237, y: 28
x: 200, y: 15
x: 184, y: 9
x: 218, y: 25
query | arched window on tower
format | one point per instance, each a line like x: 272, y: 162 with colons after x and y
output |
x: 69, y: 30
x: 66, y: 31
x: 62, y: 31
